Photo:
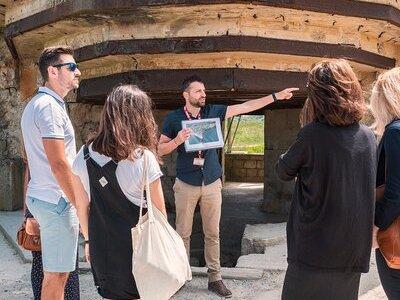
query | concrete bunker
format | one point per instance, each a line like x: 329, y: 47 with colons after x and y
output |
x: 242, y: 50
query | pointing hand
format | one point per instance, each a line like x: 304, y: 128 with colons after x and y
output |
x: 286, y: 93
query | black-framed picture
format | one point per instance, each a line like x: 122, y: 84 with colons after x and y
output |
x: 206, y: 134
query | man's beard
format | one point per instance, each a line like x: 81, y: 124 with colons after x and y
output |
x: 76, y: 83
x: 198, y: 103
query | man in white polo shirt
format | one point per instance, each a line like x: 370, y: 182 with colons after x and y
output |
x: 49, y: 141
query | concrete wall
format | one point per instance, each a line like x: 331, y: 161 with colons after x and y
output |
x: 281, y: 128
x: 85, y: 119
x: 10, y: 134
x: 244, y: 167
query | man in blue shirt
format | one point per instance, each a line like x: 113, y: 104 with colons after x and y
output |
x: 198, y: 173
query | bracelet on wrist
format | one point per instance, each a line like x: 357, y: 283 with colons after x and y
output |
x: 175, y: 142
x: 274, y: 97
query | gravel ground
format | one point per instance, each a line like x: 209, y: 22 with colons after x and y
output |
x: 15, y: 283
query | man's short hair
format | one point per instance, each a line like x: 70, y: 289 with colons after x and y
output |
x: 50, y: 57
x: 189, y: 80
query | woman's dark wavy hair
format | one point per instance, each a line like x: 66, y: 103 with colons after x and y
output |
x: 127, y: 124
x: 335, y: 95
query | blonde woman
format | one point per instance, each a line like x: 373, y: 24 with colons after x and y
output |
x: 385, y: 107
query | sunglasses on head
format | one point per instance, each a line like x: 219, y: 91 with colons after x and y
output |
x: 71, y: 66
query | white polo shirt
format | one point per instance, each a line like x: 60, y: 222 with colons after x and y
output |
x: 45, y: 116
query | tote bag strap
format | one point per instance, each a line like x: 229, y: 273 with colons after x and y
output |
x: 146, y: 187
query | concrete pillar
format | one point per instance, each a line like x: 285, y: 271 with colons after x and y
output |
x: 11, y: 106
x: 281, y: 128
x: 11, y: 187
x: 168, y: 166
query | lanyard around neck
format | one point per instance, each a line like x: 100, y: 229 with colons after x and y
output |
x: 189, y: 116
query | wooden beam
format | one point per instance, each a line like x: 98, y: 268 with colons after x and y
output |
x: 232, y: 43
x: 226, y: 86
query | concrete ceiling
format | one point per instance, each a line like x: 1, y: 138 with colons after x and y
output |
x: 3, y: 5
x: 2, y: 12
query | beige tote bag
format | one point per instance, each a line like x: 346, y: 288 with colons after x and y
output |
x: 159, y: 262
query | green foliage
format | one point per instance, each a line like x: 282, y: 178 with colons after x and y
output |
x: 250, y: 134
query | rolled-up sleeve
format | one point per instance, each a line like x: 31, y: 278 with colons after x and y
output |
x: 289, y: 163
x: 388, y: 209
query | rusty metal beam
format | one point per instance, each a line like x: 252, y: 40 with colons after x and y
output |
x: 232, y: 43
x: 226, y: 86
x: 11, y: 47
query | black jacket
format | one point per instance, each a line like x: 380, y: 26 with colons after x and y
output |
x: 388, y: 209
x: 331, y: 216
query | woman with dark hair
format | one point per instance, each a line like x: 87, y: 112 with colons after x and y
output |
x: 110, y: 167
x: 333, y: 160
x: 385, y: 107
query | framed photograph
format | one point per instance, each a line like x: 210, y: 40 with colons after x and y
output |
x: 206, y: 134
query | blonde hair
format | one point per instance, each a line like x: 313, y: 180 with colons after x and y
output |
x: 385, y: 100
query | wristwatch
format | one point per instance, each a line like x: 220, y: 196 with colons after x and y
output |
x: 274, y: 97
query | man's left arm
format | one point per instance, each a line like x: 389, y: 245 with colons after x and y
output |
x: 252, y: 105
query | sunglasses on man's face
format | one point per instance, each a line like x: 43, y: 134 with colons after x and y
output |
x: 71, y: 66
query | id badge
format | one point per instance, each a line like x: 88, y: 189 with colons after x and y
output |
x: 197, y: 161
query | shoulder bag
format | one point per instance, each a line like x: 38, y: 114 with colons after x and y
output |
x: 159, y: 261
x: 28, y: 235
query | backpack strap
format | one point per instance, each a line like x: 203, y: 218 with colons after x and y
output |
x: 86, y: 152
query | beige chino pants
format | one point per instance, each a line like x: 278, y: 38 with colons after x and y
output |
x: 210, y: 199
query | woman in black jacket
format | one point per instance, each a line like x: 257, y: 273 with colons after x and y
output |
x: 385, y: 106
x: 331, y: 216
